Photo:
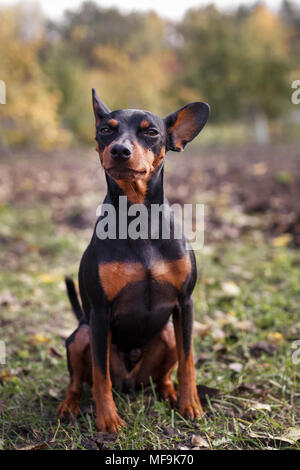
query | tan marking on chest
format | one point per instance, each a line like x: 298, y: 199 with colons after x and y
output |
x: 115, y: 276
x: 173, y: 271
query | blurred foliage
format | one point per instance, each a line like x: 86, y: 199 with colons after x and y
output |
x: 241, y: 62
x: 30, y: 115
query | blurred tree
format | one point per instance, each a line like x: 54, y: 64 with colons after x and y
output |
x: 90, y: 25
x: 125, y: 57
x: 290, y: 15
x: 240, y: 62
x: 237, y: 62
x: 67, y: 74
x: 265, y: 63
x: 30, y: 113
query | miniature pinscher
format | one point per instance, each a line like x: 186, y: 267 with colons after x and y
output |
x: 130, y: 287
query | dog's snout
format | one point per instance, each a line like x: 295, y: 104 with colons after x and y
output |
x: 120, y: 151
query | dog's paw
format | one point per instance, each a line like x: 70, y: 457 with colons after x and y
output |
x: 190, y: 406
x: 167, y: 392
x: 191, y: 411
x: 68, y: 408
x: 110, y: 422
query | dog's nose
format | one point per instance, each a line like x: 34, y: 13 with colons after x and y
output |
x: 121, y: 152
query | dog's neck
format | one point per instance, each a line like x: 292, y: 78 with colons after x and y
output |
x: 137, y: 191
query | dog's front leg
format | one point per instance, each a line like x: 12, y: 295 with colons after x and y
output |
x: 189, y: 402
x: 107, y: 419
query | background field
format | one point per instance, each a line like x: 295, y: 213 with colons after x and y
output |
x: 244, y: 167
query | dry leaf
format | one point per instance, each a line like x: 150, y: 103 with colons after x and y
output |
x: 35, y: 446
x: 259, y: 168
x: 49, y: 278
x: 198, y: 441
x: 38, y: 338
x: 282, y: 240
x: 292, y: 435
x: 260, y: 406
x: 275, y: 337
x: 236, y: 367
x: 230, y: 289
x: 217, y: 333
x: 53, y: 392
x: 246, y: 325
x: 4, y: 375
x: 201, y: 329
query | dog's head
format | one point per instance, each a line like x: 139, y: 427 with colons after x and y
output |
x: 133, y: 143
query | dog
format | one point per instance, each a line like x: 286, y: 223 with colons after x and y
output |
x: 131, y: 288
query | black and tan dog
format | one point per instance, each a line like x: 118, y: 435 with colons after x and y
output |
x: 129, y: 288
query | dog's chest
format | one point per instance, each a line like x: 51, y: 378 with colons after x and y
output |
x: 116, y: 276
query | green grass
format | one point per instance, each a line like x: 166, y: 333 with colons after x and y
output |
x: 34, y: 260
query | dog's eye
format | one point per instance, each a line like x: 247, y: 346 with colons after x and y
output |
x: 105, y: 130
x: 150, y: 132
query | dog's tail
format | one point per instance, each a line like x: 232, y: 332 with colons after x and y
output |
x: 73, y: 297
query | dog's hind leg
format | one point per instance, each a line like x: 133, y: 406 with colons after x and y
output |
x: 79, y: 364
x: 158, y: 360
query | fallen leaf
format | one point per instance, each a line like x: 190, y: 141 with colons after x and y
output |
x: 217, y: 333
x: 282, y: 240
x: 246, y: 325
x: 230, y: 289
x: 199, y: 441
x: 4, y: 375
x: 259, y: 168
x: 292, y: 434
x: 236, y: 367
x: 35, y: 446
x: 49, y: 278
x: 220, y: 442
x: 260, y: 406
x: 275, y: 337
x: 201, y: 329
x: 53, y: 392
x: 38, y: 338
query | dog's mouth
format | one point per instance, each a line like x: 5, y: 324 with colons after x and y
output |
x: 125, y: 173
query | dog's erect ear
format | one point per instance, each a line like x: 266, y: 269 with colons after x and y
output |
x: 183, y: 125
x: 100, y: 109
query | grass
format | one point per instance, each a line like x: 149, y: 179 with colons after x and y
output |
x: 36, y: 316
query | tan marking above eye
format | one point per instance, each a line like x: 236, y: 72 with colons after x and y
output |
x: 117, y: 275
x: 144, y: 124
x: 113, y: 122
